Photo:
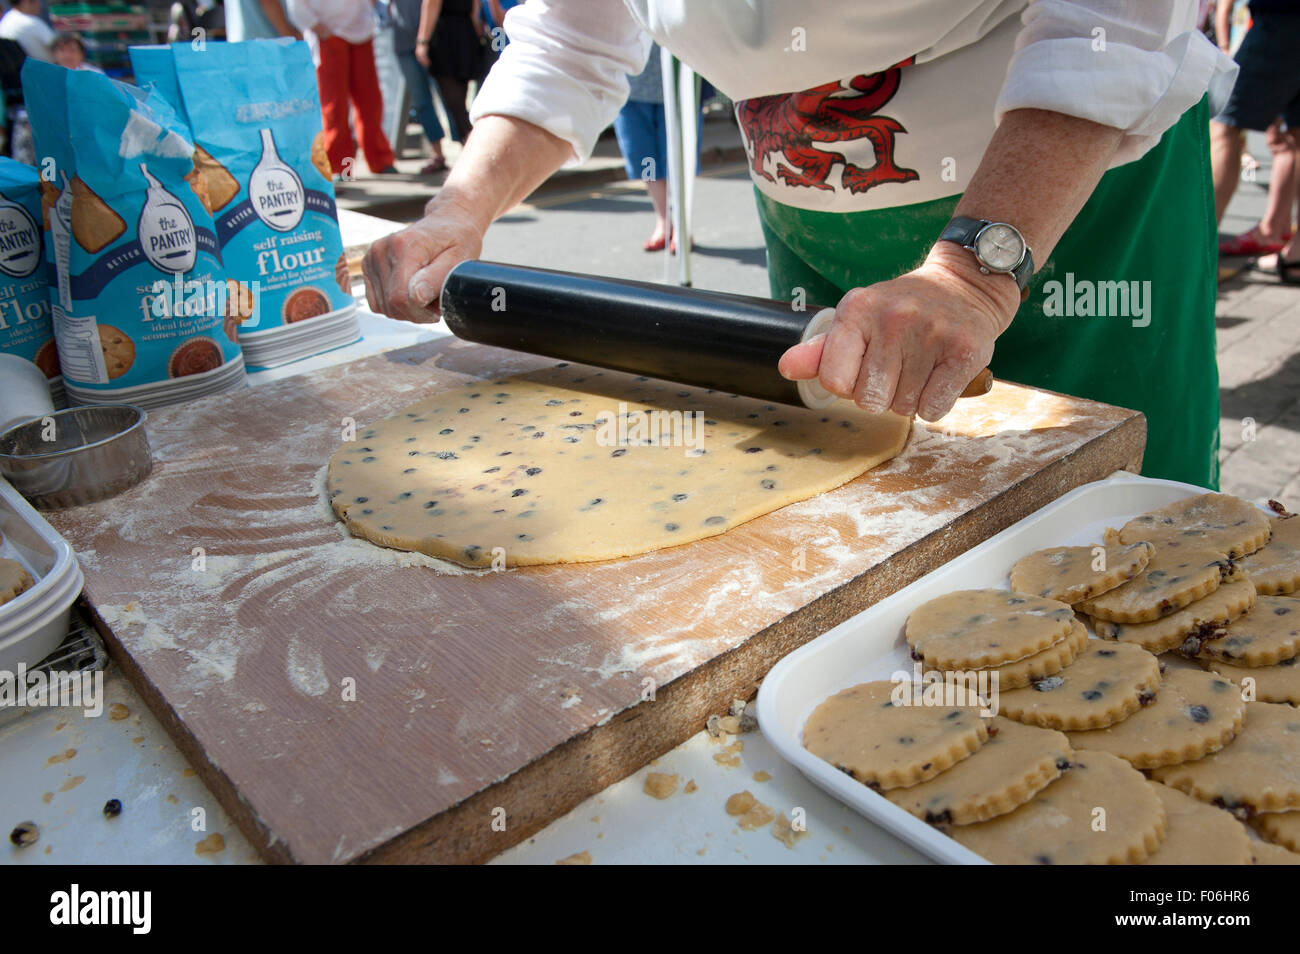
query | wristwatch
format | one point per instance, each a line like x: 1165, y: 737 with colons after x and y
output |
x: 999, y: 248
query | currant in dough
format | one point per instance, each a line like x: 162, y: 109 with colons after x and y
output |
x: 564, y: 465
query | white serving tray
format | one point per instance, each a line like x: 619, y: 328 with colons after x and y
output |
x: 870, y: 646
x: 34, y: 623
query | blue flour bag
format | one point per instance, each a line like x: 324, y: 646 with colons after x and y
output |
x: 140, y: 298
x: 255, y: 112
x: 25, y: 328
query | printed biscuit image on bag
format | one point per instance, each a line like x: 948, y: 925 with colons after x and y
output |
x: 255, y: 113
x: 139, y: 302
x: 25, y: 328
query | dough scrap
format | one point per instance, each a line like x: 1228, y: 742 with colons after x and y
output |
x: 546, y: 467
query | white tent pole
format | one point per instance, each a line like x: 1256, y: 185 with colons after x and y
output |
x: 672, y: 123
x: 688, y: 121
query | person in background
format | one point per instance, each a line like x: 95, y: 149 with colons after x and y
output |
x: 492, y: 14
x: 22, y: 23
x: 257, y: 20
x: 641, y: 128
x: 1268, y: 86
x: 341, y: 36
x: 405, y: 17
x: 70, y: 53
x: 450, y: 45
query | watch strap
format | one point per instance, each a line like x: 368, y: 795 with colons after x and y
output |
x: 962, y: 229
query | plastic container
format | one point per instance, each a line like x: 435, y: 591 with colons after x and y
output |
x: 870, y: 646
x: 34, y: 623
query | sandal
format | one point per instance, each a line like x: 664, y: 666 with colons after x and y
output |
x: 1251, y: 243
x: 435, y: 165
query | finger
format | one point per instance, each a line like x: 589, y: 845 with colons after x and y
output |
x: 876, y: 383
x: 912, y: 378
x: 424, y: 287
x: 841, y: 358
x: 373, y: 299
x: 949, y: 378
x: 800, y: 362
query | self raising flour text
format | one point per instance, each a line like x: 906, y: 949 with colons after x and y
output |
x: 658, y: 428
x: 1083, y: 298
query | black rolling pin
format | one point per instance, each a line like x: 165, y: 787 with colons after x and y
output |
x: 703, y: 338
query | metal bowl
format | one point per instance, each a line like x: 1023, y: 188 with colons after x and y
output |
x: 77, y: 456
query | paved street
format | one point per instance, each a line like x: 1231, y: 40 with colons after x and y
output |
x: 588, y: 219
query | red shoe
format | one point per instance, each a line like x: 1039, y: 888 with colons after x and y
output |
x: 435, y: 165
x: 654, y: 245
x: 1251, y: 243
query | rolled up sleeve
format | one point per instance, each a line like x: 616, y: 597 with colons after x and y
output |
x: 1133, y: 66
x: 565, y: 68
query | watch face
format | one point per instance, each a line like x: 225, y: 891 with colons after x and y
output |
x: 1000, y: 247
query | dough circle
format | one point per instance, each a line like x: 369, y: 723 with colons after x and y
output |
x: 561, y: 465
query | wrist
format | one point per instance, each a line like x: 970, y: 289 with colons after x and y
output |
x: 450, y: 202
x: 998, y: 290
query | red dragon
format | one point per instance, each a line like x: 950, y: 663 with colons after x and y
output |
x: 790, y: 125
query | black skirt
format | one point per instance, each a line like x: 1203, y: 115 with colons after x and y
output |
x: 455, y: 49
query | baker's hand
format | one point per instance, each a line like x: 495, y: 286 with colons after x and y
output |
x: 911, y: 345
x: 405, y: 271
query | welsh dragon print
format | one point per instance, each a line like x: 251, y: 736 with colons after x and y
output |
x: 801, y: 129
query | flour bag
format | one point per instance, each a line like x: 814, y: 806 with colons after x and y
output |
x: 139, y: 301
x: 256, y: 116
x: 25, y: 328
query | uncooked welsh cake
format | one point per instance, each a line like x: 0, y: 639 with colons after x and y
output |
x: 1220, y: 522
x: 1276, y: 568
x: 1071, y: 574
x: 571, y: 464
x: 1058, y: 826
x: 884, y: 742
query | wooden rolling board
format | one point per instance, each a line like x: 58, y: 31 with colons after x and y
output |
x: 242, y: 612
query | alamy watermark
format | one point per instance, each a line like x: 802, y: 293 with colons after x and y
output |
x: 41, y: 689
x: 1084, y: 298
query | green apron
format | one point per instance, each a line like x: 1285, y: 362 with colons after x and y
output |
x: 1148, y: 221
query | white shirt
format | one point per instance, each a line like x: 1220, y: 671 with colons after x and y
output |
x: 351, y: 20
x: 33, y: 34
x: 1136, y: 66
